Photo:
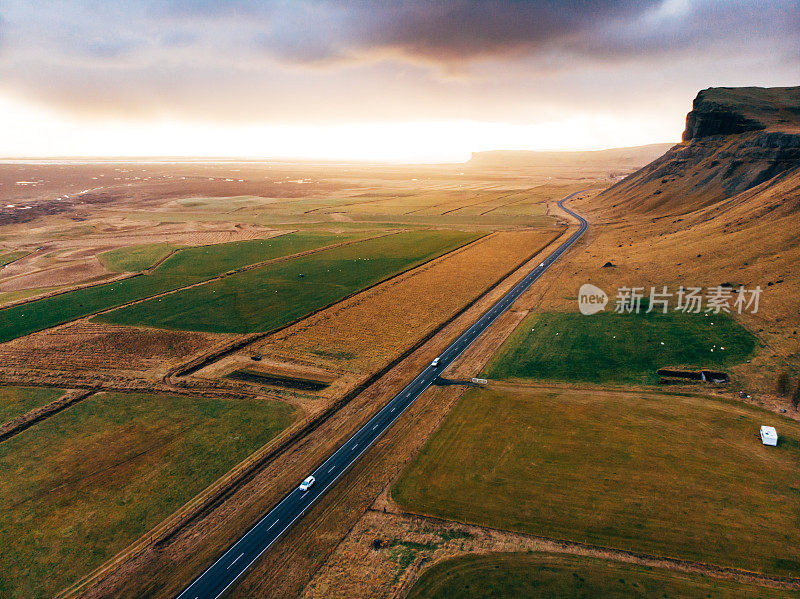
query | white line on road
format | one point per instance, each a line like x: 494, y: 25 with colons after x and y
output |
x: 234, y: 561
x: 484, y: 322
x: 273, y: 524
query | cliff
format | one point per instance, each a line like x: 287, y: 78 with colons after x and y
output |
x: 734, y: 110
x: 735, y: 139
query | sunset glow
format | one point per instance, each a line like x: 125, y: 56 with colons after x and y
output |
x: 413, y: 82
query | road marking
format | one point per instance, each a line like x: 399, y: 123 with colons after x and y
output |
x: 234, y: 561
x: 374, y: 427
x: 392, y: 410
x: 332, y: 469
x: 354, y: 447
x: 484, y: 322
x: 273, y: 524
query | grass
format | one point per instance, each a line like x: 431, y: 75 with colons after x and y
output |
x: 552, y: 576
x: 209, y: 260
x: 15, y: 401
x: 8, y: 257
x: 135, y: 258
x: 610, y: 347
x: 186, y: 267
x: 671, y: 475
x: 80, y: 486
x: 6, y: 297
x: 266, y: 298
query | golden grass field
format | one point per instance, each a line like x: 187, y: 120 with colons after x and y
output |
x: 364, y: 333
x: 134, y: 216
x: 668, y: 475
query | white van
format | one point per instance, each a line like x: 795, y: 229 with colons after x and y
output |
x: 435, y: 362
x: 306, y: 484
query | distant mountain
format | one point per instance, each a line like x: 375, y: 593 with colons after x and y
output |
x: 735, y: 140
x: 622, y: 159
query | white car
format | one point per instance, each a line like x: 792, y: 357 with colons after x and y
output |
x: 306, y: 484
x: 541, y: 265
x: 435, y: 362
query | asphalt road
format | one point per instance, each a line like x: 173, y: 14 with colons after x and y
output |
x: 235, y: 561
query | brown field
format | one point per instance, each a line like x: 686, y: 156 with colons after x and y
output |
x: 77, y: 271
x: 81, y: 349
x: 193, y: 544
x: 73, y: 261
x: 368, y: 345
x: 365, y: 333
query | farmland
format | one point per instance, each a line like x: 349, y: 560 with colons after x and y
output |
x: 135, y: 258
x: 551, y: 576
x: 83, y: 484
x: 198, y: 264
x: 171, y: 265
x: 367, y: 331
x: 15, y: 401
x: 269, y: 297
x: 675, y: 475
x: 626, y: 348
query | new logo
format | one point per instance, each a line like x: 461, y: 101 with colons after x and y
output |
x: 591, y: 299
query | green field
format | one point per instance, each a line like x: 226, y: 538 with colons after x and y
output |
x: 627, y: 348
x: 266, y: 298
x: 135, y: 258
x: 15, y: 401
x: 671, y: 475
x: 186, y: 267
x: 81, y: 485
x: 13, y: 296
x: 553, y: 576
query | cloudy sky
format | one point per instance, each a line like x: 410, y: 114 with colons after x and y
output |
x: 388, y: 80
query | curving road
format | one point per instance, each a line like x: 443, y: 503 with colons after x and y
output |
x: 235, y: 561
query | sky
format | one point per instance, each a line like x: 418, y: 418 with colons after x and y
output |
x: 404, y: 80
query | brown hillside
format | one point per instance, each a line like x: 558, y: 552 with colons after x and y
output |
x: 716, y: 209
x: 735, y: 139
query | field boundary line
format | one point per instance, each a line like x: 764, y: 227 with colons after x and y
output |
x: 642, y: 390
x: 615, y: 554
x: 225, y: 486
x: 501, y: 197
x: 24, y: 421
x: 164, y: 293
x: 119, y: 277
x: 237, y: 271
x: 20, y: 258
x: 205, y: 360
x: 56, y: 292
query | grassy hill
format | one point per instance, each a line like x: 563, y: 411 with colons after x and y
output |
x: 715, y: 209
